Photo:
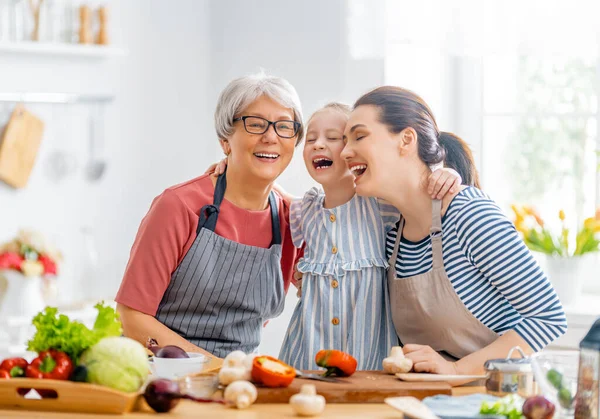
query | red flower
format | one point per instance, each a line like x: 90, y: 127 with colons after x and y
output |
x: 11, y: 260
x: 49, y: 265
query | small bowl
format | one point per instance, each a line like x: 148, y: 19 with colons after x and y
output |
x: 173, y: 368
x: 206, y: 386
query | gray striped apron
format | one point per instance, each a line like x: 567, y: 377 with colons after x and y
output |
x: 223, y: 291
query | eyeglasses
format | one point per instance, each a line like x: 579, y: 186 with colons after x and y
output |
x: 258, y: 125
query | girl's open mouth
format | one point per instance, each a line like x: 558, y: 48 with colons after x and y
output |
x: 322, y: 163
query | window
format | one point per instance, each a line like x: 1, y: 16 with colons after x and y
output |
x: 519, y: 81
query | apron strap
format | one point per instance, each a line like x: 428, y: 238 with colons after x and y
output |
x: 209, y: 214
x: 436, y: 233
x: 275, y: 226
x: 392, y: 261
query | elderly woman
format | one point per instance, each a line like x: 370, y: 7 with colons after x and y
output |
x: 213, y: 257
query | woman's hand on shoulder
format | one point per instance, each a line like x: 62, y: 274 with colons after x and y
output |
x: 217, y: 169
x: 443, y: 181
x: 287, y: 197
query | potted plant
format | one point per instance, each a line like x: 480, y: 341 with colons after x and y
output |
x: 28, y: 266
x: 566, y: 260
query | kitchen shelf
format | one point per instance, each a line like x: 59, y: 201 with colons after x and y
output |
x: 61, y: 98
x: 61, y: 50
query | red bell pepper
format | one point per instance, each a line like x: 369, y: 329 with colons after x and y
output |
x: 4, y: 374
x: 50, y: 364
x: 14, y: 366
x: 337, y: 362
x: 271, y: 372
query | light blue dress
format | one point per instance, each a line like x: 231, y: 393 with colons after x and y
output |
x: 345, y: 303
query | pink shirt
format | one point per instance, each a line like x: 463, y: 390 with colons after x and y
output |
x: 168, y: 231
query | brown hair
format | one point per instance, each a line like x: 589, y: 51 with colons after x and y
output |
x: 401, y: 108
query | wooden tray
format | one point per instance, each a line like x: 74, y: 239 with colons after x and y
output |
x: 70, y: 397
x: 362, y: 387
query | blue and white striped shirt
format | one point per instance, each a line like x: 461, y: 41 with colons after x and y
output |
x: 345, y: 303
x: 490, y: 268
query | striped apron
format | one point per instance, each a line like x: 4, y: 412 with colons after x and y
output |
x: 222, y: 292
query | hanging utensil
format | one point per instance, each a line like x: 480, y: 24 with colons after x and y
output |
x: 95, y: 166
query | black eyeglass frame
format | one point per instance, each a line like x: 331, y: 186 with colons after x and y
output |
x: 297, y: 125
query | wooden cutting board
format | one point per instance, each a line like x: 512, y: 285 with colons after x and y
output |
x: 362, y: 387
x: 19, y: 147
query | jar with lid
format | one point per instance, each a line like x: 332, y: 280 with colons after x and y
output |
x: 510, y: 375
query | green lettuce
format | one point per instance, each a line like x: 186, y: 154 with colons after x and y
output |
x: 510, y: 406
x: 57, y: 331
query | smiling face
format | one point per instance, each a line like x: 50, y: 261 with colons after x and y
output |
x: 260, y: 156
x: 374, y: 155
x: 323, y: 146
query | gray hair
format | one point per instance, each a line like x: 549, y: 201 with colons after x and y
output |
x: 241, y: 92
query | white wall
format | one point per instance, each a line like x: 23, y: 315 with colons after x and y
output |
x: 155, y: 133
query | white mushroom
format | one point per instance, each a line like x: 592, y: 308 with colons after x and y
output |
x: 234, y: 368
x: 234, y: 358
x: 396, y: 362
x: 241, y: 394
x: 307, y: 402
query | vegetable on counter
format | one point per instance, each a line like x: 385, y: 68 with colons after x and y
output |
x: 79, y: 374
x: 4, y: 374
x: 14, y: 366
x: 117, y: 362
x: 235, y: 368
x: 240, y: 394
x: 163, y: 395
x: 509, y: 406
x: 397, y: 362
x: 565, y: 398
x: 308, y: 402
x: 538, y: 407
x: 169, y: 351
x: 271, y: 372
x: 336, y: 362
x: 51, y: 364
x: 57, y: 331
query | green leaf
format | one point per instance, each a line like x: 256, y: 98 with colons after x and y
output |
x: 57, y: 331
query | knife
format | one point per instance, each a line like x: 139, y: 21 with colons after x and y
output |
x: 307, y: 376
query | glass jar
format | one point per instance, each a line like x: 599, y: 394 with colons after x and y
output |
x: 510, y: 376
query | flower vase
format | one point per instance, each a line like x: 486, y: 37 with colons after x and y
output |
x: 20, y: 295
x: 566, y: 275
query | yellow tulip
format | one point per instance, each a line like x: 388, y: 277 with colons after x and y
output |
x: 592, y: 224
x: 561, y: 215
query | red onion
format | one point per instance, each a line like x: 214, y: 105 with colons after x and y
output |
x: 538, y: 407
x: 169, y: 351
x: 162, y: 395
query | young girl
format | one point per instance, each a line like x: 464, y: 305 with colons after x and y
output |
x: 344, y: 299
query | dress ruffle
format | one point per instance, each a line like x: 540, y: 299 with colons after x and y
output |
x: 338, y: 269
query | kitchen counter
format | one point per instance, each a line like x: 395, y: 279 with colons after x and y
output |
x: 187, y: 409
